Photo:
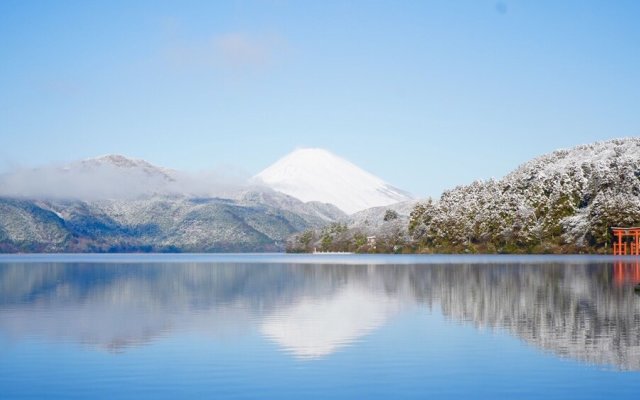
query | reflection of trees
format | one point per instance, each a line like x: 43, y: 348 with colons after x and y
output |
x: 577, y: 311
x: 572, y: 311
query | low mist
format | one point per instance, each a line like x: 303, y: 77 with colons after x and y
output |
x: 87, y: 181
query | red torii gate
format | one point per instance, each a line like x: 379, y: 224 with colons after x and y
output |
x: 620, y: 247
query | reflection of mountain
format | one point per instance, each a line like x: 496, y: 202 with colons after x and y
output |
x: 118, y: 306
x: 575, y: 311
x: 315, y: 327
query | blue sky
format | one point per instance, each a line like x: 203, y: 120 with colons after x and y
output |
x: 426, y: 94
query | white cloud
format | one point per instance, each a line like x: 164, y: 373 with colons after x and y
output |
x: 232, y: 50
x: 104, y: 178
x: 240, y: 49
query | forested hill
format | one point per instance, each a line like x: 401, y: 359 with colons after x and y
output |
x: 564, y: 201
x: 255, y: 221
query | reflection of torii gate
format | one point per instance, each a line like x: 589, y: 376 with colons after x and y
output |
x: 620, y: 247
x: 626, y: 272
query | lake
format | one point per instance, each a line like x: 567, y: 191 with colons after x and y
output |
x: 318, y: 326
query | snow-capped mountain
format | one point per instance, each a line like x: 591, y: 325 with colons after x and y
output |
x: 318, y: 175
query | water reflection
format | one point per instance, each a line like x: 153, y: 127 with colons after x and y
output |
x: 312, y: 327
x: 623, y: 273
x: 586, y: 312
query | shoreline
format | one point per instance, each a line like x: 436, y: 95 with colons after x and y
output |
x: 299, y: 258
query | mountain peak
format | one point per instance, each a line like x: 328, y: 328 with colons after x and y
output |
x: 117, y: 160
x: 315, y: 152
x: 314, y: 174
x: 309, y: 156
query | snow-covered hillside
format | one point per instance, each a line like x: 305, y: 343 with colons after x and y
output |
x: 562, y: 201
x: 124, y: 164
x: 318, y: 175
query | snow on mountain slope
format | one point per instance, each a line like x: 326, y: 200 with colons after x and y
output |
x: 599, y: 158
x: 562, y: 201
x: 376, y: 221
x: 318, y: 175
x: 123, y: 164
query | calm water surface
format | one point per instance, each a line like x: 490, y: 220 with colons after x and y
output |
x: 278, y: 326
